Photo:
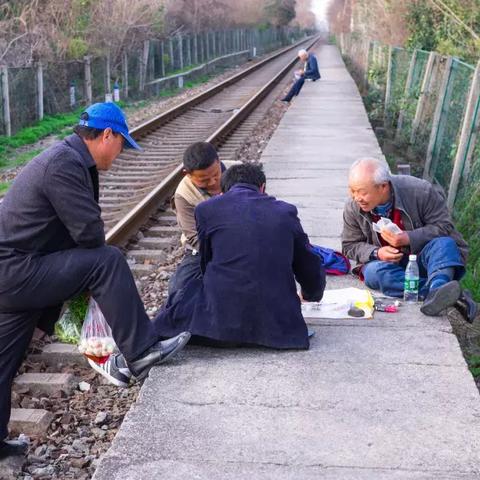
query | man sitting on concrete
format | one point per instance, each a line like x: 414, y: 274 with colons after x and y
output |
x: 309, y: 72
x: 252, y: 249
x: 203, y: 172
x: 52, y: 247
x: 420, y: 211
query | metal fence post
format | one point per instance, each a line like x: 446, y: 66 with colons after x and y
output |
x: 108, y: 80
x: 143, y: 66
x: 466, y: 145
x: 189, y: 50
x: 73, y: 99
x: 40, y: 90
x: 180, y: 52
x: 88, y: 79
x: 424, y: 92
x: 170, y: 53
x: 388, y: 88
x: 214, y: 44
x: 195, y: 50
x: 201, y: 50
x: 367, y: 65
x: 408, y: 87
x: 207, y: 46
x: 162, y: 59
x: 125, y: 74
x: 445, y: 91
x: 6, y: 101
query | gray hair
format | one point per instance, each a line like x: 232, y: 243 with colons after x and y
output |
x: 302, y: 52
x: 379, y: 169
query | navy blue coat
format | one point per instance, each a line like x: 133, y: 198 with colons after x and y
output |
x: 311, y: 70
x: 252, y: 249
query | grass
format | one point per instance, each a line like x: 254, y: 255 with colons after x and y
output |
x: 13, y: 160
x: 43, y: 128
x: 4, y: 186
x: 474, y: 365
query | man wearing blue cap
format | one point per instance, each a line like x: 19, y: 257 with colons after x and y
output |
x: 52, y: 247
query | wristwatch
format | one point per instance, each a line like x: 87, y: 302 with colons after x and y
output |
x: 374, y: 254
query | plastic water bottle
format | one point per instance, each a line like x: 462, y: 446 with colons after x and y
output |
x: 410, y: 290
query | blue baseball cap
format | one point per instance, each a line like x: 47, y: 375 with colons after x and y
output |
x: 108, y: 115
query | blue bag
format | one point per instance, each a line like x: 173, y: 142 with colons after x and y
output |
x: 334, y: 262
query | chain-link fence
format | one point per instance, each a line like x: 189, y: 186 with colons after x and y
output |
x: 452, y: 112
x: 22, y: 92
x: 65, y: 87
x: 150, y: 70
x: 413, y: 87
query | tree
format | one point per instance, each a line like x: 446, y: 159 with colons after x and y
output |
x: 280, y: 12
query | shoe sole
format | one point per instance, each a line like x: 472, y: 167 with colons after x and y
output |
x: 443, y: 298
x: 144, y: 374
x: 102, y: 372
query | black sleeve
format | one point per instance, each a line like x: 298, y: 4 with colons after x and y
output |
x: 203, y: 238
x: 71, y: 194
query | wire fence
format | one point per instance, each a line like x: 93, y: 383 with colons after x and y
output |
x: 429, y: 108
x: 154, y: 67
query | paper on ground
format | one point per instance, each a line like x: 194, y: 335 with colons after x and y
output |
x: 336, y: 303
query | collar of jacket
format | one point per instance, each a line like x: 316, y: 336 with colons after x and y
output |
x: 245, y: 186
x: 75, y: 141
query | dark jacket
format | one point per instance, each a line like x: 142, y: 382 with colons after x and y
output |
x: 311, y: 68
x: 50, y: 206
x: 252, y: 249
x: 424, y: 214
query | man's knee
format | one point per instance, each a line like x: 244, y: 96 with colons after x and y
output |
x: 112, y: 255
x: 370, y: 274
x: 441, y: 242
x: 443, y: 252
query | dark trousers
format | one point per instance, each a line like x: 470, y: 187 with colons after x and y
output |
x: 437, y: 254
x: 188, y: 269
x: 36, y: 299
x: 295, y: 90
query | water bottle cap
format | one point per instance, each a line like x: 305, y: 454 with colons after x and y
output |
x: 412, y: 258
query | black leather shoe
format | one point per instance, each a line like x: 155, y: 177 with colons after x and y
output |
x: 9, y: 448
x: 158, y: 353
x: 441, y: 298
x: 467, y: 306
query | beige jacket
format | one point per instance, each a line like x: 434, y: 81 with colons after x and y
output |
x: 186, y: 198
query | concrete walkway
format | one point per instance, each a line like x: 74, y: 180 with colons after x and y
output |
x: 389, y: 398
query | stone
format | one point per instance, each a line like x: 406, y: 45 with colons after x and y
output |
x: 80, y: 445
x: 101, y: 418
x: 44, y: 472
x: 84, y: 386
x: 41, y: 450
